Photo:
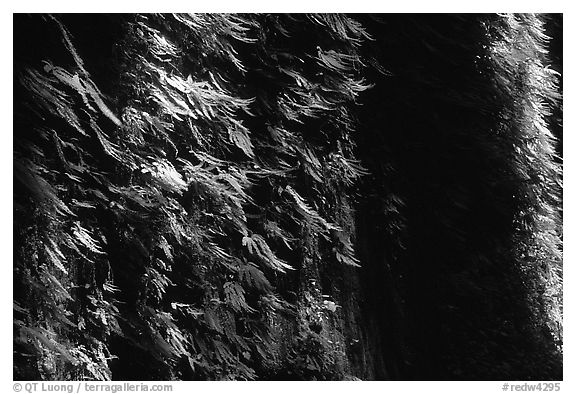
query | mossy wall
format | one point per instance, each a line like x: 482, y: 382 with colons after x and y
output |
x: 326, y: 196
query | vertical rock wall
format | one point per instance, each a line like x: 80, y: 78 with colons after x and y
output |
x: 285, y: 197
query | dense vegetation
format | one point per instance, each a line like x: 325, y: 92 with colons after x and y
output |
x: 326, y: 196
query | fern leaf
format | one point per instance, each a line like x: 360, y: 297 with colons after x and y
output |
x: 310, y: 214
x: 239, y: 136
x: 252, y: 276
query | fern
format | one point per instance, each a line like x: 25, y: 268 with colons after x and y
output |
x: 254, y: 277
x: 308, y: 213
x: 234, y: 296
x: 257, y: 246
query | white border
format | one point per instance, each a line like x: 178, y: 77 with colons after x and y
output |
x: 296, y: 6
